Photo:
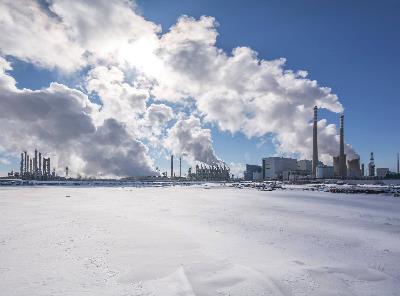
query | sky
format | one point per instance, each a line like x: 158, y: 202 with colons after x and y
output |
x: 214, y: 81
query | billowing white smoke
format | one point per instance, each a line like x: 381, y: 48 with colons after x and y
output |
x: 61, y: 119
x: 132, y: 66
x: 187, y: 138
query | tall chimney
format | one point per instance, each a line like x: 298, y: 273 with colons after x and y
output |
x: 26, y: 162
x: 315, y: 143
x: 172, y: 166
x: 40, y: 161
x: 180, y: 167
x: 21, y: 169
x: 342, y: 157
x: 35, y: 162
x: 398, y: 164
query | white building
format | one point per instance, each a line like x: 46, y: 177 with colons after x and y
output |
x: 273, y: 167
x: 324, y: 172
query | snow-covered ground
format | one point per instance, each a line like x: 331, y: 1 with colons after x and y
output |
x: 196, y: 241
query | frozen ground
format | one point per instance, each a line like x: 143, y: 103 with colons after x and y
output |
x: 195, y: 241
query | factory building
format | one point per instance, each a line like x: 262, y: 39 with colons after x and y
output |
x: 257, y: 176
x: 294, y: 175
x: 382, y: 172
x: 273, y: 167
x: 353, y: 168
x: 305, y: 165
x: 336, y: 166
x: 210, y: 173
x: 325, y: 172
x: 249, y: 175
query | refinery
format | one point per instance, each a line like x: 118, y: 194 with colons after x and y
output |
x: 36, y: 168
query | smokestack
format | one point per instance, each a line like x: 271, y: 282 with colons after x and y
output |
x: 398, y: 164
x: 342, y: 156
x: 35, y: 161
x: 21, y: 168
x: 40, y: 161
x: 172, y: 166
x: 44, y: 166
x: 315, y: 143
x: 26, y: 162
x: 180, y: 167
x: 362, y: 170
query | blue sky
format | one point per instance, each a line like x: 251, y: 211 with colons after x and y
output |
x: 350, y: 46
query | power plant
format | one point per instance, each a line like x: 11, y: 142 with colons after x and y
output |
x: 281, y: 168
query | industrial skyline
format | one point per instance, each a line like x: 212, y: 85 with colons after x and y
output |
x: 290, y: 169
x: 66, y: 101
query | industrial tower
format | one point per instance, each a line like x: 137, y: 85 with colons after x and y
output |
x: 180, y: 167
x: 172, y: 166
x: 371, y: 166
x: 342, y: 156
x: 315, y: 143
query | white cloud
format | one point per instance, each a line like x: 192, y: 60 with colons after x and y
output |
x: 129, y: 61
x: 119, y: 99
x: 241, y: 93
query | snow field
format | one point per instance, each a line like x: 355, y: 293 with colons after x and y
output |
x: 193, y: 241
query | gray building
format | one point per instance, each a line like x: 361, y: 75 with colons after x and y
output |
x: 382, y: 172
x: 248, y: 174
x: 305, y: 166
x: 324, y: 172
x: 273, y: 167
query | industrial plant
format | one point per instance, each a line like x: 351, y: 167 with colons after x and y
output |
x: 289, y: 169
x: 38, y: 167
x: 202, y: 172
x: 35, y: 168
x: 209, y: 173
